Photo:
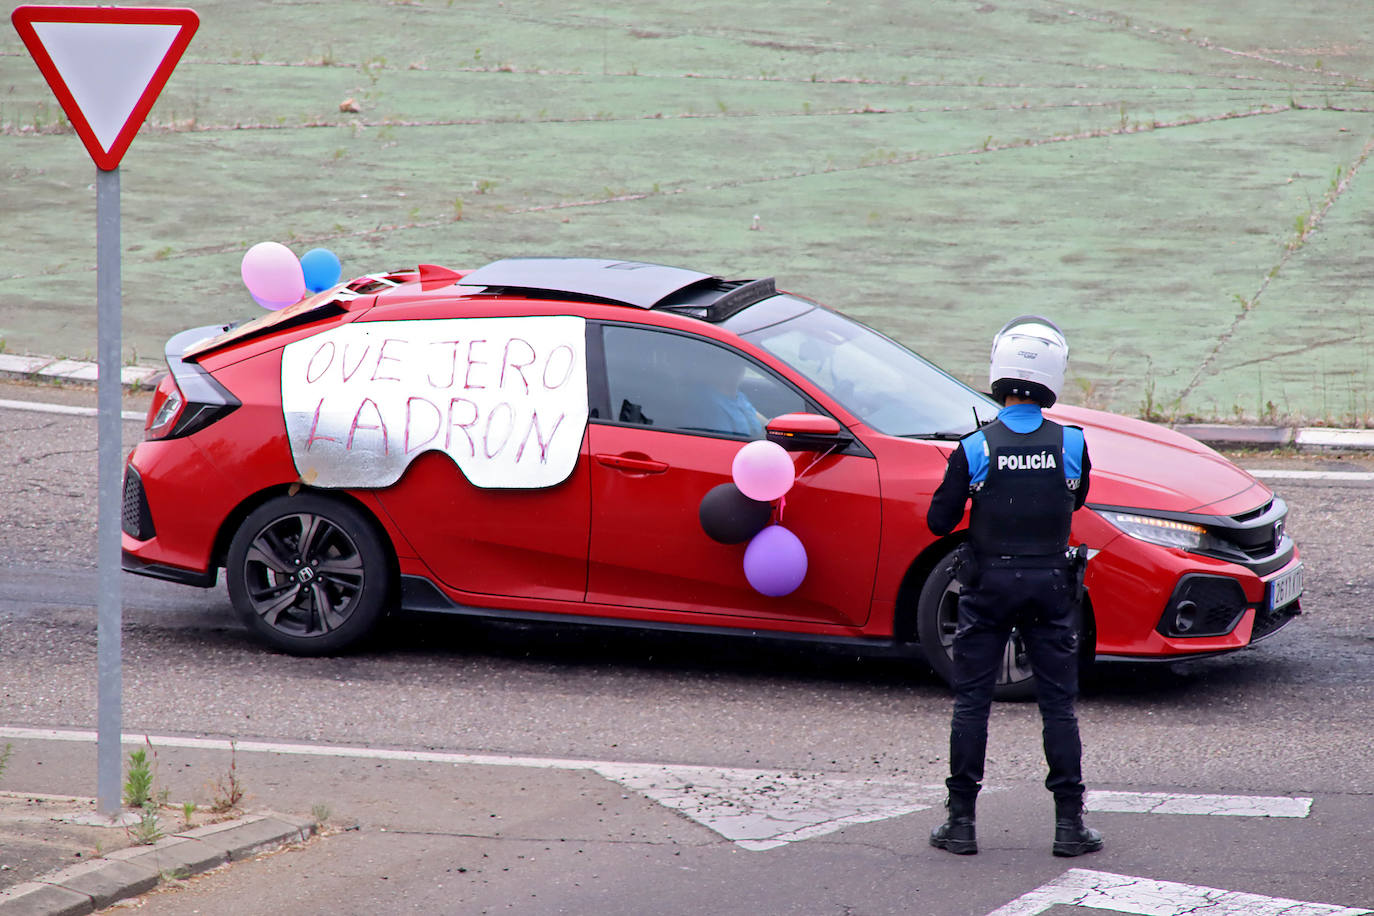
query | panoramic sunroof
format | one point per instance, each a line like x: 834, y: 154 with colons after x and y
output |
x: 630, y: 282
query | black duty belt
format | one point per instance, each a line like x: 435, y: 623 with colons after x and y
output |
x: 1026, y: 561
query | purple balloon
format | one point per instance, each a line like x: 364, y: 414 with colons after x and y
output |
x: 272, y: 306
x: 775, y: 562
x: 763, y: 470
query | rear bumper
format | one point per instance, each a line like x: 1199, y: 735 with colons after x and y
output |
x: 174, y: 503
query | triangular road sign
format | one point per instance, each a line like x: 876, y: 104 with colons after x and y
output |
x: 106, y: 65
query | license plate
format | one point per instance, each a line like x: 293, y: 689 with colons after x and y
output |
x: 1286, y: 588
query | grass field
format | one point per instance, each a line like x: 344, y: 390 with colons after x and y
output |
x: 1182, y: 186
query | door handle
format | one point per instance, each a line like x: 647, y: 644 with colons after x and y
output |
x: 632, y: 463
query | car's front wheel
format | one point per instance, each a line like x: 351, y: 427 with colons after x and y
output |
x: 308, y: 574
x: 937, y: 617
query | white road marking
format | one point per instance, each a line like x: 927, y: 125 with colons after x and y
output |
x: 1277, y: 474
x: 69, y: 409
x: 1100, y: 890
x: 1225, y: 805
x: 309, y: 750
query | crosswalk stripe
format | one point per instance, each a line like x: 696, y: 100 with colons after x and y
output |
x: 1100, y: 890
x: 1225, y: 805
x: 765, y: 809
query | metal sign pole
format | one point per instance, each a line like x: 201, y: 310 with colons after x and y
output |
x: 106, y: 65
x: 109, y: 603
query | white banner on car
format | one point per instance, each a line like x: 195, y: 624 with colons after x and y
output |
x: 505, y: 398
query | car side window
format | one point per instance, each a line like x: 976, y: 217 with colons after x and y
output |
x: 673, y: 381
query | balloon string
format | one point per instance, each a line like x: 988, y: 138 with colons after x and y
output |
x: 782, y: 500
x: 819, y: 458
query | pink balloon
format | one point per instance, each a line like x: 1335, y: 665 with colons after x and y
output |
x: 273, y: 275
x: 775, y: 562
x: 762, y: 470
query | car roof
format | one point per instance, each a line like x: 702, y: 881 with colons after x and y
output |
x: 634, y: 283
x: 637, y: 284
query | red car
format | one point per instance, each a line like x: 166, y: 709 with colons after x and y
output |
x: 534, y: 440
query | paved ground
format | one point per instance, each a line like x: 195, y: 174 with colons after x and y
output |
x: 491, y: 834
x: 572, y: 732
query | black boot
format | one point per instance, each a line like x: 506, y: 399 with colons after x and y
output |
x: 956, y: 834
x: 1071, y: 837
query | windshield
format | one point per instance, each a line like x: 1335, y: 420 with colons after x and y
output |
x: 884, y: 384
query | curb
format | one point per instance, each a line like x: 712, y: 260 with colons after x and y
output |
x: 94, y: 885
x: 1218, y: 435
x: 49, y: 369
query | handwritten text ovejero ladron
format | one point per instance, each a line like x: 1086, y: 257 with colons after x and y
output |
x: 505, y: 398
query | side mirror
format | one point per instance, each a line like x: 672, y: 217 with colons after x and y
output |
x: 807, y: 432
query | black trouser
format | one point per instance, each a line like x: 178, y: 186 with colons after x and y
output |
x: 1039, y: 602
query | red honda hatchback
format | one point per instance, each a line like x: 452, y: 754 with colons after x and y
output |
x: 534, y: 440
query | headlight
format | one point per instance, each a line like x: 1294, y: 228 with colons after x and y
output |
x: 1163, y: 531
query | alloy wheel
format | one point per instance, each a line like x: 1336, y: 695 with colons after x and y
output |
x: 304, y: 574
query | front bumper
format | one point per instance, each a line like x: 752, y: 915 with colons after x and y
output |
x: 1230, y: 602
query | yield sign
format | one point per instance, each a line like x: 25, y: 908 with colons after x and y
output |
x: 106, y: 65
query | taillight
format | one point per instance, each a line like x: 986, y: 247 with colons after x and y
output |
x: 164, y: 411
x: 188, y: 399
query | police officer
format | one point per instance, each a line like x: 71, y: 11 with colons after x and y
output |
x: 1026, y: 475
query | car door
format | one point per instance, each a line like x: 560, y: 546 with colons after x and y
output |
x: 499, y: 395
x: 660, y: 440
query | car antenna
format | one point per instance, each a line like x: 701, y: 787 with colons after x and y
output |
x: 977, y: 421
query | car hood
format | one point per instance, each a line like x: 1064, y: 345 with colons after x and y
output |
x: 1143, y: 465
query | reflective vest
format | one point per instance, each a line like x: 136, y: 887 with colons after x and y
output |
x: 1024, y: 504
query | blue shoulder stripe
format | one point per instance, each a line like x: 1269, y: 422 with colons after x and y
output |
x: 975, y: 446
x: 1073, y: 453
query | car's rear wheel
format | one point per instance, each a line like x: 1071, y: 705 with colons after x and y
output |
x: 937, y: 617
x: 308, y: 574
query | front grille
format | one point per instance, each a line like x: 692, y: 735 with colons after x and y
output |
x: 1253, y: 513
x: 1255, y: 539
x: 136, y: 518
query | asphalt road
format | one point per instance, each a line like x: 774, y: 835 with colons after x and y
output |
x: 486, y: 832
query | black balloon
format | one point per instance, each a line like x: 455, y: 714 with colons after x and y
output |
x: 728, y: 516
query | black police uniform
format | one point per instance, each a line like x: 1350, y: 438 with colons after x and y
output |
x: 1025, y: 486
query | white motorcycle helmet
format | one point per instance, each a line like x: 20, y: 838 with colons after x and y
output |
x: 1029, y: 356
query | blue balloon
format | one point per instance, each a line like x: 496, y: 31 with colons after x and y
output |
x: 321, y: 268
